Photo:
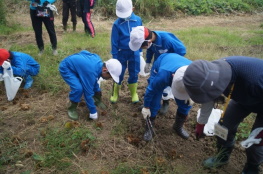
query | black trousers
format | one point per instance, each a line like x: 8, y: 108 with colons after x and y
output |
x: 37, y: 26
x: 69, y: 6
x: 234, y: 115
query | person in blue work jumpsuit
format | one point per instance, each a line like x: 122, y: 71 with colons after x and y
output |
x: 156, y: 43
x: 37, y: 20
x: 162, y: 73
x: 241, y: 79
x: 23, y: 65
x: 120, y: 37
x: 81, y: 71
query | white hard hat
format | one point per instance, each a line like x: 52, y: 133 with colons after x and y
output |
x: 124, y: 8
x: 137, y: 37
x: 114, y: 67
x: 178, y: 88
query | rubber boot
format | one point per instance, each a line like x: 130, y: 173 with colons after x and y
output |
x: 74, y: 27
x: 65, y: 27
x: 72, y: 111
x: 221, y: 158
x: 165, y: 107
x: 178, y: 125
x: 28, y: 82
x: 250, y: 169
x: 148, y: 134
x: 115, y: 93
x: 133, y: 90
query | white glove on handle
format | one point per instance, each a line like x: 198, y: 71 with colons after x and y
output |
x: 147, y: 68
x: 146, y: 113
x: 93, y: 116
x: 6, y: 65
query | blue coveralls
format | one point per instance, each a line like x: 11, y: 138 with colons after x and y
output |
x: 247, y: 97
x: 23, y: 65
x: 165, y: 42
x: 161, y: 77
x: 120, y: 37
x: 81, y: 72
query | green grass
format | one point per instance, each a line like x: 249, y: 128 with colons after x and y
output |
x: 60, y: 144
x: 215, y: 42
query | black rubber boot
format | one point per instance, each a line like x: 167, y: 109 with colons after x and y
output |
x: 221, y: 158
x: 165, y: 107
x: 148, y: 134
x: 65, y: 27
x: 250, y: 169
x: 178, y: 125
x: 74, y: 27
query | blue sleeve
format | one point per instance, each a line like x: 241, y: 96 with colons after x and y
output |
x: 175, y: 46
x: 149, y: 55
x: 89, y: 86
x: 1, y: 70
x: 96, y: 87
x: 114, y: 41
x: 157, y: 84
x: 18, y: 66
x: 50, y: 1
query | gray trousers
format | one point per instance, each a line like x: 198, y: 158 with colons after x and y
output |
x: 234, y: 115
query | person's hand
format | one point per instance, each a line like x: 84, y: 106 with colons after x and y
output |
x: 260, y: 135
x: 45, y: 3
x: 6, y: 65
x: 199, y: 130
x: 147, y: 68
x: 93, y: 116
x: 189, y: 102
x: 146, y: 112
x: 91, y: 10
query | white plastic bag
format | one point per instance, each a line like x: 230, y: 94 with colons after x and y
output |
x: 252, y: 138
x: 12, y: 83
x: 142, y: 65
x: 212, y: 120
x: 168, y: 90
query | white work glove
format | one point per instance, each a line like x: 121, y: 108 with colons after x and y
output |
x: 1, y: 77
x: 93, y: 116
x: 146, y: 113
x: 141, y: 54
x: 147, y: 68
x: 189, y: 102
x: 6, y: 65
x: 252, y: 139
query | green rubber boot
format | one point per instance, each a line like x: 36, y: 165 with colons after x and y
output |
x: 221, y: 158
x: 133, y: 90
x: 72, y: 111
x: 115, y: 93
